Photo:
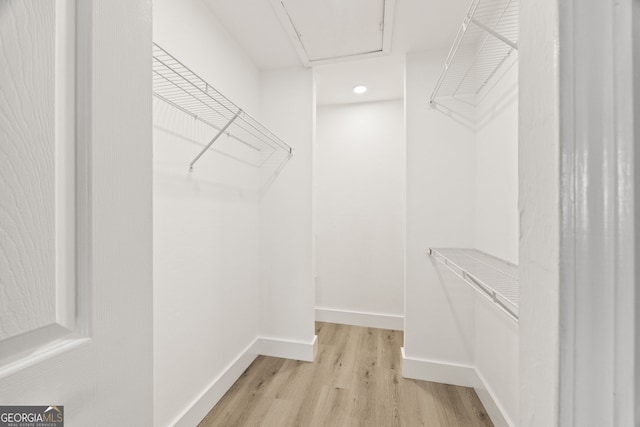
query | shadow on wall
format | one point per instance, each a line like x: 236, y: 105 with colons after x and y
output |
x: 493, y: 110
x: 461, y: 301
x: 475, y: 111
x: 229, y: 168
x: 3, y: 10
x: 459, y: 111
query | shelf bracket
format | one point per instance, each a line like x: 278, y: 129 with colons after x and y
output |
x: 494, y: 34
x: 220, y: 132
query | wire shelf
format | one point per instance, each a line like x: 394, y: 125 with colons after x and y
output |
x: 496, y: 279
x: 486, y: 44
x: 178, y: 86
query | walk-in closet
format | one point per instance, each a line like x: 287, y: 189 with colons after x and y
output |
x: 282, y: 197
x: 319, y: 213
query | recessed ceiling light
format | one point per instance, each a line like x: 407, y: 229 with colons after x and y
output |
x: 359, y: 89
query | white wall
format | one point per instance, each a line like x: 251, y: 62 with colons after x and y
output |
x: 232, y: 250
x: 496, y: 216
x: 461, y: 192
x: 191, y: 32
x: 206, y: 224
x: 496, y: 360
x: 360, y: 172
x: 287, y: 292
x: 539, y: 205
x: 440, y: 213
x: 497, y: 233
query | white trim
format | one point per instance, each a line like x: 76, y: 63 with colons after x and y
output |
x: 66, y: 344
x: 285, y: 20
x: 207, y: 399
x: 438, y: 372
x: 458, y: 375
x: 358, y: 318
x: 598, y: 253
x: 354, y: 57
x: 491, y: 404
x: 387, y: 30
x: 65, y: 163
x: 288, y: 349
x: 292, y: 32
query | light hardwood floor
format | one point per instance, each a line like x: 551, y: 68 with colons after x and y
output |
x: 355, y: 380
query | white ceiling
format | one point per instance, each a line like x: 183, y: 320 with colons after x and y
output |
x: 355, y: 26
x: 383, y: 77
x: 418, y: 25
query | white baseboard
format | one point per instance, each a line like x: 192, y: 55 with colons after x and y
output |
x: 296, y: 350
x: 491, y: 404
x: 287, y: 349
x: 465, y: 376
x: 415, y: 368
x: 428, y: 370
x: 357, y: 318
x: 201, y: 406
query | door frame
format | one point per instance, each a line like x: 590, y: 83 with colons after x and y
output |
x: 599, y: 218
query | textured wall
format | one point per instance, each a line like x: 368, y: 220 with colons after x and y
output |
x: 539, y: 212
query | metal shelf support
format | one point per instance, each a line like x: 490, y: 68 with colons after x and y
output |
x: 490, y: 31
x: 495, y: 34
x: 220, y: 132
x: 180, y: 87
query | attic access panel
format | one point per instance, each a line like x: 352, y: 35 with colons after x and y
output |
x: 332, y: 30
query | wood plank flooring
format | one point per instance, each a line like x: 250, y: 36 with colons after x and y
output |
x: 355, y: 380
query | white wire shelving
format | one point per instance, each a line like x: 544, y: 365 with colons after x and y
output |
x: 175, y: 84
x: 496, y: 279
x: 485, y: 45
